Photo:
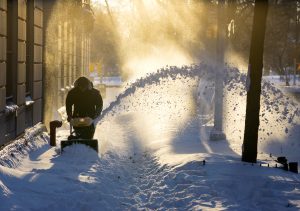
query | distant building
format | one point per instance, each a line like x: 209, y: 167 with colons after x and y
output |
x: 114, y: 81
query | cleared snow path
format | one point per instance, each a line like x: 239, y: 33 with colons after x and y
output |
x: 80, y: 180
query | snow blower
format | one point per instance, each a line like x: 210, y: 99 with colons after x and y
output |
x: 74, y: 138
x: 77, y: 138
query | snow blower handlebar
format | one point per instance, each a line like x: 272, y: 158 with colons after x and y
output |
x: 53, y: 125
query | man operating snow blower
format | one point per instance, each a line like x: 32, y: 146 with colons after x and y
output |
x: 83, y: 105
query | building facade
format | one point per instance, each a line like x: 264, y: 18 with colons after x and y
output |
x: 21, y: 58
x: 37, y: 68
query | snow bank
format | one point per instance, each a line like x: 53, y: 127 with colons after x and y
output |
x: 34, y: 138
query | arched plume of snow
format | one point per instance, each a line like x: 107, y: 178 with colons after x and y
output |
x: 155, y: 78
x: 277, y: 111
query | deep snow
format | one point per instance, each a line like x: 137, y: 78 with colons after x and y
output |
x: 152, y: 146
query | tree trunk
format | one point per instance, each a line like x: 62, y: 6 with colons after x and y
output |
x: 254, y: 91
x: 297, y: 49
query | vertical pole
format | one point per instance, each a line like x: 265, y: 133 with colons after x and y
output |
x: 217, y: 132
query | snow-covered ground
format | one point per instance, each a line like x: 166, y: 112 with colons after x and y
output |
x: 153, y: 145
x: 293, y: 88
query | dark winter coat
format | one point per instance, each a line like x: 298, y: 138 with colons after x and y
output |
x: 86, y: 104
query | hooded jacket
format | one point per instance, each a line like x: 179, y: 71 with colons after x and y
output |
x: 88, y: 103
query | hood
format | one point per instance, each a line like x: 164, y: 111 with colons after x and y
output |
x: 84, y: 81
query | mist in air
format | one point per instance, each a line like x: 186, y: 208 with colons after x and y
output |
x: 135, y: 37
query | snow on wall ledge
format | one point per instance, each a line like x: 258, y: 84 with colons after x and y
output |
x: 34, y: 138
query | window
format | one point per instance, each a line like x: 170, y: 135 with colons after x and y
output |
x: 12, y: 42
